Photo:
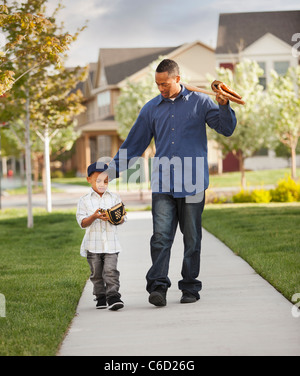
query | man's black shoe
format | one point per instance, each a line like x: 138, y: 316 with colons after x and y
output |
x: 158, y: 298
x: 187, y: 297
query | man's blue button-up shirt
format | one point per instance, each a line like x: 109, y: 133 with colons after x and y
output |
x: 180, y: 166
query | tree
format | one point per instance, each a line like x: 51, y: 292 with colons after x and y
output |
x: 40, y: 48
x: 22, y: 24
x: 54, y: 108
x: 283, y: 110
x: 251, y: 132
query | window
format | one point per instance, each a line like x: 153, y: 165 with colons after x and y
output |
x: 227, y: 66
x: 281, y: 67
x: 103, y: 100
x: 93, y: 144
x: 100, y: 146
x: 263, y: 78
x: 104, y: 146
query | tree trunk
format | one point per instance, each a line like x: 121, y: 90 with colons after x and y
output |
x: 47, y: 170
x: 35, y: 170
x: 28, y: 165
x: 293, y: 160
x: 242, y: 170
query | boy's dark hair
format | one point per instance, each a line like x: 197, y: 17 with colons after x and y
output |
x: 168, y: 65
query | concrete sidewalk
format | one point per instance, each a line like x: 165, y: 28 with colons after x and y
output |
x: 239, y: 312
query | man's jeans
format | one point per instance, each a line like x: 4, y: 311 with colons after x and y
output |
x: 104, y: 273
x: 167, y: 212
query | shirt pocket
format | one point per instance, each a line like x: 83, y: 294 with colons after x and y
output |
x: 190, y: 126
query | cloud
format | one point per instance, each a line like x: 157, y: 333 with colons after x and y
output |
x: 144, y: 23
x: 89, y: 9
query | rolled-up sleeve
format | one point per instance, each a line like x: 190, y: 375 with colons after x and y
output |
x: 81, y: 212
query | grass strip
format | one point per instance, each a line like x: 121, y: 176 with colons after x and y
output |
x: 42, y: 277
x: 265, y: 235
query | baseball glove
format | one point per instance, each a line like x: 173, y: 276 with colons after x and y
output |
x: 115, y: 214
x: 224, y: 90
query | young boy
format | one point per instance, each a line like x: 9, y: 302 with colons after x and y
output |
x: 100, y: 243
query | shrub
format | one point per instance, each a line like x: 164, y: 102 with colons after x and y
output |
x: 221, y: 200
x: 70, y: 174
x: 57, y: 174
x: 242, y: 196
x: 256, y: 196
x: 287, y: 190
x: 261, y: 196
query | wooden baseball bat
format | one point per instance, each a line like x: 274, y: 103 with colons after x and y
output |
x: 195, y: 88
x: 229, y: 93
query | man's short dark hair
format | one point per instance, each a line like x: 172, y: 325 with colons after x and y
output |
x: 168, y: 65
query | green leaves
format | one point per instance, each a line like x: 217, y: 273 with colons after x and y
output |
x: 30, y: 35
x: 33, y: 63
x: 6, y: 80
x: 284, y: 100
x: 251, y: 133
x: 267, y: 116
x: 283, y: 107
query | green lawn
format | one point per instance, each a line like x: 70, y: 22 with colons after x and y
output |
x: 42, y: 276
x: 266, y: 236
x: 253, y: 178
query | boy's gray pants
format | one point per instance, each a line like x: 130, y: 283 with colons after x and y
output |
x: 104, y: 273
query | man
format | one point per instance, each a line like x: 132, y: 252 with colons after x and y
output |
x: 176, y: 119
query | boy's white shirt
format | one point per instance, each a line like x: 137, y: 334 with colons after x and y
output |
x: 100, y: 236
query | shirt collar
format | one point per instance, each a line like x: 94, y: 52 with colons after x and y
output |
x: 184, y: 93
x: 92, y: 192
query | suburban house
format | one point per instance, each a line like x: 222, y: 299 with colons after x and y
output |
x: 97, y: 126
x: 267, y: 38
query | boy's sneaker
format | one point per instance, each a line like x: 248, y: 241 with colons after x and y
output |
x: 101, y: 302
x: 158, y: 297
x: 115, y: 303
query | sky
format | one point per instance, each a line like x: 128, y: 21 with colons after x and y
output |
x: 149, y: 23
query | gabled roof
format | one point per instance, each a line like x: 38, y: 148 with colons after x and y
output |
x: 236, y: 29
x: 120, y: 63
x: 92, y: 73
x: 88, y: 85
